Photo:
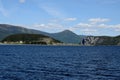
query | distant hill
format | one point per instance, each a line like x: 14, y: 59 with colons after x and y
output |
x: 64, y: 36
x: 67, y: 36
x: 30, y: 39
x: 102, y: 40
x: 6, y: 30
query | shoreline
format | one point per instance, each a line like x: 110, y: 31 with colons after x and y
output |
x: 44, y: 45
x: 55, y: 45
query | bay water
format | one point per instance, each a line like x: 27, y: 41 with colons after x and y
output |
x: 34, y: 62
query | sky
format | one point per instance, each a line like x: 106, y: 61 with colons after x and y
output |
x: 83, y: 17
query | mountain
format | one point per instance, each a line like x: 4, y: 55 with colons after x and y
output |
x: 102, y: 40
x: 6, y: 30
x: 64, y: 36
x: 30, y: 39
x: 67, y: 36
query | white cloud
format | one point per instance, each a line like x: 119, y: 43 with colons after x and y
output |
x: 70, y: 19
x: 98, y: 20
x: 118, y: 30
x: 88, y: 31
x: 116, y: 26
x: 50, y: 27
x: 85, y: 28
x: 103, y: 26
x: 84, y: 25
x: 94, y: 25
x: 43, y: 25
x: 22, y: 1
x: 93, y: 22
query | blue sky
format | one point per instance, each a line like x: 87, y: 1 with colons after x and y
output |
x: 84, y: 17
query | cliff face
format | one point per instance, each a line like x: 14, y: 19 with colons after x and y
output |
x: 102, y: 40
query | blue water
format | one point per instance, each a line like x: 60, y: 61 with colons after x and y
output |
x: 23, y: 62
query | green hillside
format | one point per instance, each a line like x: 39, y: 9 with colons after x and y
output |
x: 30, y: 39
x: 67, y: 36
x: 64, y: 36
x: 7, y: 30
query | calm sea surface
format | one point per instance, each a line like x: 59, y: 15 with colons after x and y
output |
x: 23, y: 62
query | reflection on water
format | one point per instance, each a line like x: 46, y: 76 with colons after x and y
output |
x: 59, y: 63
